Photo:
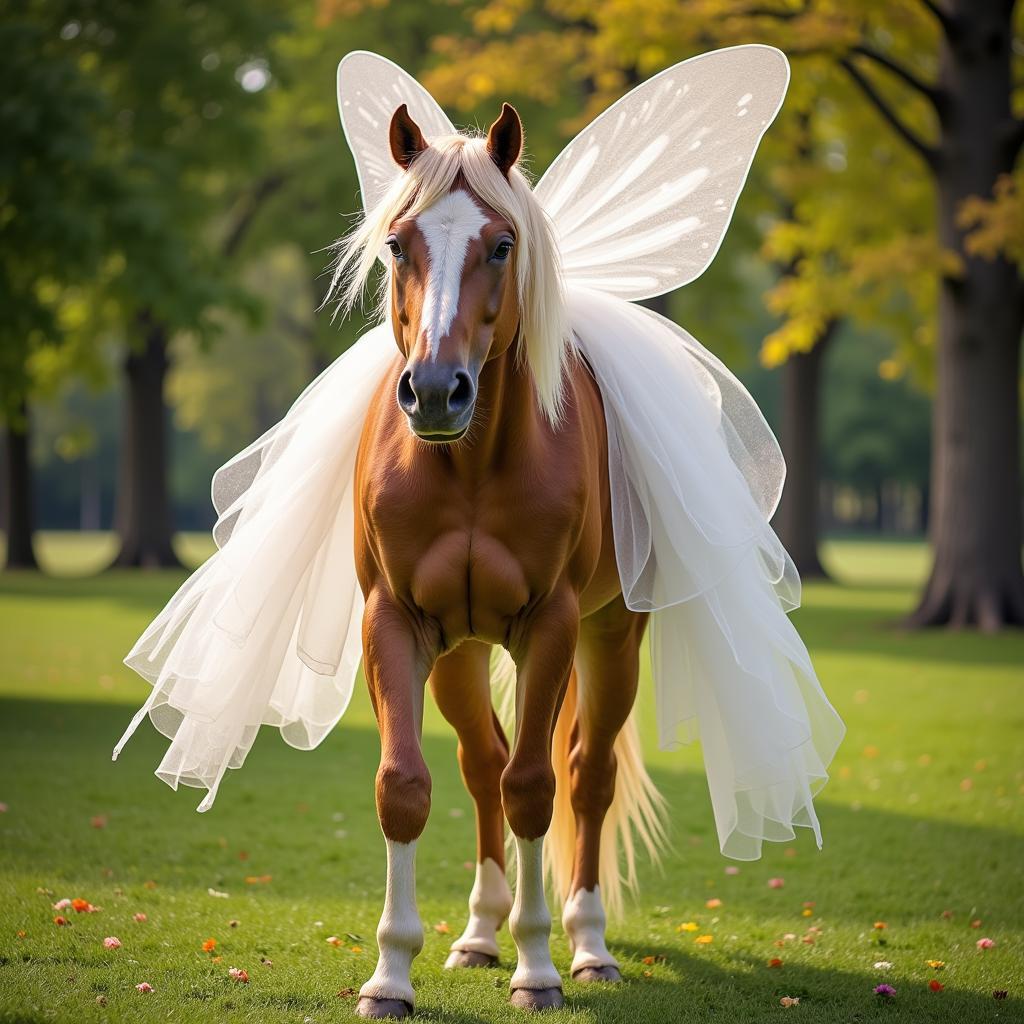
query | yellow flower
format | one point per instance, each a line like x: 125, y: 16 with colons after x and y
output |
x: 807, y: 912
x: 688, y: 926
x: 936, y: 965
x: 704, y: 939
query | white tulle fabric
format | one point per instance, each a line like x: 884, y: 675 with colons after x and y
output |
x: 268, y: 630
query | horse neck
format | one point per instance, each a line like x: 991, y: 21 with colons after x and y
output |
x: 507, y: 417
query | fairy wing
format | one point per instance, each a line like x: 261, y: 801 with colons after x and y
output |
x: 642, y: 197
x: 370, y: 89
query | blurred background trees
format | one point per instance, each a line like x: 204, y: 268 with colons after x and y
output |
x: 171, y: 175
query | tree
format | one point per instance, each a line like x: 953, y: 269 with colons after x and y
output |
x: 184, y: 84
x: 53, y: 186
x: 958, y: 128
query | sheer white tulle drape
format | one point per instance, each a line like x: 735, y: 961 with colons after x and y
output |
x: 696, y: 474
x: 268, y: 630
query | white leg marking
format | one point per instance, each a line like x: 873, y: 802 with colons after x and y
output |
x: 400, y: 932
x: 530, y: 921
x: 584, y: 922
x: 489, y: 905
x: 447, y: 228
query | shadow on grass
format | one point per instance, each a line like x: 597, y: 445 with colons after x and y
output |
x: 837, y: 626
x: 56, y: 755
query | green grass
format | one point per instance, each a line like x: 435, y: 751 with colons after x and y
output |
x: 922, y: 816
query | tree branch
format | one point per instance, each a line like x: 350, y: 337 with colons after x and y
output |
x: 931, y: 92
x: 929, y: 154
x: 942, y: 16
x: 261, y: 192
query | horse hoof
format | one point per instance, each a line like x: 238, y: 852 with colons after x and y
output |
x: 469, y: 958
x: 607, y: 973
x: 378, y: 1009
x: 537, y: 998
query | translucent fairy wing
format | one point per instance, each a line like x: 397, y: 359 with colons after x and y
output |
x: 370, y: 89
x: 641, y: 198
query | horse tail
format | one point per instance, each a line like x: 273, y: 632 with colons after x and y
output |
x: 637, y: 812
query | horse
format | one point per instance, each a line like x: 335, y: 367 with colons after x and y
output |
x: 483, y: 520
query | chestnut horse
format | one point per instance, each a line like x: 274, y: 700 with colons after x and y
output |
x: 483, y: 518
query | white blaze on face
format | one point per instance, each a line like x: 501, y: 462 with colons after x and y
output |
x: 447, y: 228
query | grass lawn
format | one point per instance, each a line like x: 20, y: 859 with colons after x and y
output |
x: 922, y: 820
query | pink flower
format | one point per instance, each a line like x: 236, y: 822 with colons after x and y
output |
x: 885, y: 991
x: 111, y: 942
x: 62, y: 904
x: 140, y: 917
x: 775, y: 883
x: 144, y: 986
x: 732, y: 870
x: 985, y: 943
x: 238, y: 974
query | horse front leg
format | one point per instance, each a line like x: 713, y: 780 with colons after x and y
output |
x: 396, y: 667
x: 462, y: 689
x: 543, y: 661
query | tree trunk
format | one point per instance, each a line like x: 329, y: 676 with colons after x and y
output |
x: 19, y: 513
x: 797, y: 521
x: 975, y: 518
x: 144, y: 511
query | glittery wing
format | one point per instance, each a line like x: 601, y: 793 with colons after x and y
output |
x: 370, y: 89
x: 642, y: 197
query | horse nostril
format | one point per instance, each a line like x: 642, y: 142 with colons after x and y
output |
x: 406, y: 395
x: 462, y: 394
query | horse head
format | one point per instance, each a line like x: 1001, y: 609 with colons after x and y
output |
x: 454, y: 300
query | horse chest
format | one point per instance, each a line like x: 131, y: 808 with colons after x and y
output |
x: 471, y: 584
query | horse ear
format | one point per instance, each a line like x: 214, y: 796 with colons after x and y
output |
x: 505, y: 139
x: 405, y: 137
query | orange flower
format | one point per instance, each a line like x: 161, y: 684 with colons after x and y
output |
x: 936, y: 986
x: 442, y: 928
x: 209, y: 945
x: 333, y: 940
x: 879, y: 925
x: 703, y: 940
x: 357, y: 949
x: 775, y: 962
x: 60, y: 921
x: 257, y: 879
x: 81, y: 906
x: 713, y: 903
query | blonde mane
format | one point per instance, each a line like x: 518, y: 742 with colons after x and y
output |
x: 543, y: 323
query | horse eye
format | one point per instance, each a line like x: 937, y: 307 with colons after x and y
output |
x: 396, y: 249
x: 501, y: 252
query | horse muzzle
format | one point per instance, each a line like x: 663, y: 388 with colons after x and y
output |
x: 438, y: 400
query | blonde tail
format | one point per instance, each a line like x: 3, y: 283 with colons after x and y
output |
x: 637, y: 810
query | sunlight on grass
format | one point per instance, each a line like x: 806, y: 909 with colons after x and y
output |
x: 922, y: 823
